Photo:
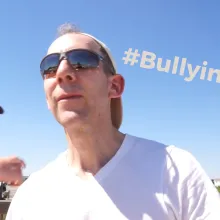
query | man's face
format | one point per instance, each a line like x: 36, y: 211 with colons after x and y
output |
x: 90, y: 90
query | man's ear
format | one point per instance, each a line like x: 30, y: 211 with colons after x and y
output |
x: 117, y: 84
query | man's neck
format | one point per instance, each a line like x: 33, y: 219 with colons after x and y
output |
x: 90, y: 149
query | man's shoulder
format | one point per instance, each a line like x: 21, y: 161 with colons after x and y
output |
x: 151, y: 146
x: 169, y: 155
x: 44, y: 176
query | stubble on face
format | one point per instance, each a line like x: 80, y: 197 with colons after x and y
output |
x: 93, y: 84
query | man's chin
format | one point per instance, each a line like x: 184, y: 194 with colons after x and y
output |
x: 70, y: 119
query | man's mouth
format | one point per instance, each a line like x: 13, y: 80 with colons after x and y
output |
x: 68, y: 97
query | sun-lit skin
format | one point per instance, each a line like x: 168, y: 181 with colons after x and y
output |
x: 86, y: 118
x: 11, y: 170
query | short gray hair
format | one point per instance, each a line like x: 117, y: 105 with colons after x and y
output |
x: 68, y: 28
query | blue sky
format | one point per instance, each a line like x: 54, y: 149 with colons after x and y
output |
x: 157, y: 105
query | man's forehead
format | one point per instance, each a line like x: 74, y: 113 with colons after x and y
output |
x: 72, y: 41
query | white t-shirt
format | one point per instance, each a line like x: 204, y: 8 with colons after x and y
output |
x: 145, y: 180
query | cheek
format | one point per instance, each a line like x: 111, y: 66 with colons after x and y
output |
x: 102, y: 96
x: 101, y: 88
x: 97, y: 92
x: 49, y: 88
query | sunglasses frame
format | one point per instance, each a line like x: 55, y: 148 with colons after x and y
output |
x: 64, y: 56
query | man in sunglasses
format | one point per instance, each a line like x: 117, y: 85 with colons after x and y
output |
x: 106, y: 174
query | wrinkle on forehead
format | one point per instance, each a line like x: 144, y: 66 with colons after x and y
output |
x: 73, y: 41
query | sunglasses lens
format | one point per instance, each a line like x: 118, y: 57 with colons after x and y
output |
x: 77, y: 58
x: 49, y: 64
x: 83, y: 58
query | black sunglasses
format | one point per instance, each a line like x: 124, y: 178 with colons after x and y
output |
x: 78, y: 58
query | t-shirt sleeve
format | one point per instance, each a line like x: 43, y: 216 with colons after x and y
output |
x: 190, y: 192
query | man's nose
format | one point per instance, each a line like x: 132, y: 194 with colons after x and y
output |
x: 65, y: 72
